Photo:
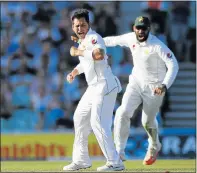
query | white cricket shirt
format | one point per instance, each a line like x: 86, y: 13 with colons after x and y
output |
x: 96, y: 71
x: 153, y: 61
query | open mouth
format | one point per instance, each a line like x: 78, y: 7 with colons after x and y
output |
x: 81, y: 34
x: 141, y: 36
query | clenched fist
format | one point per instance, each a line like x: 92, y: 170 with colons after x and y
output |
x: 73, y: 51
x: 160, y: 90
x: 70, y: 78
x: 74, y: 38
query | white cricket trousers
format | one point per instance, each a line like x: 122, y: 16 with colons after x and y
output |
x: 135, y: 94
x: 94, y: 112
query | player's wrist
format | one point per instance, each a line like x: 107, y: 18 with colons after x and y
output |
x: 164, y: 87
x: 80, y: 52
x: 74, y: 73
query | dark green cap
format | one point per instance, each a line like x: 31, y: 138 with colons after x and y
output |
x: 142, y: 21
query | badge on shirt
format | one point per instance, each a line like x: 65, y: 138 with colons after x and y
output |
x: 169, y: 55
x: 146, y: 51
x: 133, y: 46
x: 94, y: 41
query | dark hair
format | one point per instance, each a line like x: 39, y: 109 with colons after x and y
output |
x: 80, y: 13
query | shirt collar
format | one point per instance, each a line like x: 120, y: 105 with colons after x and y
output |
x: 145, y: 42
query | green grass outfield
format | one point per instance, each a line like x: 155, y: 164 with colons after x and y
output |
x: 131, y: 166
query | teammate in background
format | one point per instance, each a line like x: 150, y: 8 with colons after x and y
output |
x: 95, y: 109
x: 155, y: 69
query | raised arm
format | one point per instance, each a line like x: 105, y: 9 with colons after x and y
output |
x: 96, y: 52
x: 122, y: 40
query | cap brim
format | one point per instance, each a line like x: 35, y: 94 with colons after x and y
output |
x: 141, y: 25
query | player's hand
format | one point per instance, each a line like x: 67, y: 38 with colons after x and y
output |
x: 74, y: 38
x: 70, y: 78
x: 74, y: 51
x: 160, y: 90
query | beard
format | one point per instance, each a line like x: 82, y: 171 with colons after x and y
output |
x: 142, y: 38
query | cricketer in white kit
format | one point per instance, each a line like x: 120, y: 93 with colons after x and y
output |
x: 155, y: 69
x: 95, y: 109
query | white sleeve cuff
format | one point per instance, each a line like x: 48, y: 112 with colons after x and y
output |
x: 167, y: 86
x: 79, y: 68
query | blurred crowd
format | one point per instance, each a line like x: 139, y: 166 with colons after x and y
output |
x: 35, y: 44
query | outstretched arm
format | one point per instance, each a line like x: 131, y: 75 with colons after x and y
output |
x: 121, y: 40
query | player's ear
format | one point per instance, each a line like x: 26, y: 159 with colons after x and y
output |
x: 134, y: 28
x: 72, y: 26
